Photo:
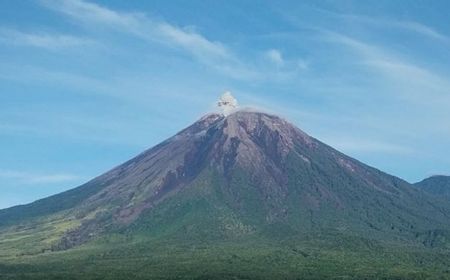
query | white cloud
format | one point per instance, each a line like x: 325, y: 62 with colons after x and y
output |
x: 42, y: 40
x: 39, y: 75
x: 407, y: 25
x: 413, y: 82
x: 275, y: 57
x: 193, y: 42
x: 141, y: 26
x: 214, y: 54
x: 35, y: 178
x: 419, y: 28
x: 408, y: 73
x: 90, y: 12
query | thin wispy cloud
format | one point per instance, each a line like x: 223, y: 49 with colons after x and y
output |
x: 193, y: 42
x: 213, y: 53
x: 37, y: 178
x: 38, y: 75
x: 275, y: 57
x: 42, y: 40
x: 392, y: 91
x: 389, y: 23
x: 419, y: 28
x: 415, y: 81
x: 87, y: 12
x: 353, y: 145
x: 138, y: 24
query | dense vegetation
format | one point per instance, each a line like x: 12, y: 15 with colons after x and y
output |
x: 253, y: 257
x: 195, y: 235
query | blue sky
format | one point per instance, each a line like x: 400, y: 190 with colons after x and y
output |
x: 85, y: 85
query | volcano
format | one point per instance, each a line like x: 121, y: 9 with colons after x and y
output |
x: 244, y: 180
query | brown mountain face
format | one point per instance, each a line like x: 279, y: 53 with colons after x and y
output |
x: 251, y: 168
x: 257, y: 143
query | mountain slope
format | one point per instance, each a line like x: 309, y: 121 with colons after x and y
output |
x: 436, y: 185
x: 246, y: 178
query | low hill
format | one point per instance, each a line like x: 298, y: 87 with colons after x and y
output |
x: 438, y: 185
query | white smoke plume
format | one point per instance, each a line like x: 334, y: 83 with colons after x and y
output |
x: 227, y: 103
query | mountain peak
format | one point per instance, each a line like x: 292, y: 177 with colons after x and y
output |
x: 227, y: 103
